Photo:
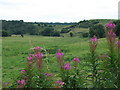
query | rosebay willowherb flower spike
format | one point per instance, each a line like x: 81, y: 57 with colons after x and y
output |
x: 111, y: 36
x: 60, y: 83
x: 110, y: 25
x: 39, y: 57
x: 76, y: 59
x: 37, y: 49
x: 67, y: 66
x: 59, y: 57
x: 21, y: 83
x: 93, y: 43
x: 29, y: 61
x: 118, y: 43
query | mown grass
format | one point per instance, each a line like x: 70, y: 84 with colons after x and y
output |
x: 15, y: 50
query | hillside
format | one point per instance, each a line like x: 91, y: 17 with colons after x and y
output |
x: 59, y: 29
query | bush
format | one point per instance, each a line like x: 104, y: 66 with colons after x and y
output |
x: 50, y: 32
x: 117, y: 29
x: 85, y: 34
x: 97, y: 30
x: 65, y: 30
x: 71, y: 34
x: 47, y: 32
x: 56, y: 33
x: 5, y: 33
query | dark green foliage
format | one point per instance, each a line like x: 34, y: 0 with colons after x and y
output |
x: 71, y: 34
x: 5, y: 33
x: 117, y: 28
x: 87, y: 23
x: 97, y: 30
x: 47, y: 32
x: 65, y: 30
x: 50, y: 32
x: 85, y: 34
x: 19, y: 27
x: 56, y: 33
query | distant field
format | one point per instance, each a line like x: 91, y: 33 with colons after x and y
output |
x: 15, y: 50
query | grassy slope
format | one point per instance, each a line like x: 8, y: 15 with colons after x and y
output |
x: 15, y: 50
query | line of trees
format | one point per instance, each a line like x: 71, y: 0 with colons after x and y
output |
x: 47, y: 29
x: 21, y: 27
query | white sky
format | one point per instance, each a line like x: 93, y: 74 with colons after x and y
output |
x: 58, y: 10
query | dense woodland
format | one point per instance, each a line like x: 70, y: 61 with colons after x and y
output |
x: 19, y: 27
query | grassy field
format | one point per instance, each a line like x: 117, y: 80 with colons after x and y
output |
x: 15, y: 50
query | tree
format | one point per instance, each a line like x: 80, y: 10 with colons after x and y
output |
x: 117, y: 29
x: 85, y: 34
x: 97, y: 30
x: 47, y: 31
x: 71, y: 34
x: 65, y: 30
x: 5, y: 33
x: 56, y: 33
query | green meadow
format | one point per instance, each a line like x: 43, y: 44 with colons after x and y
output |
x: 15, y: 50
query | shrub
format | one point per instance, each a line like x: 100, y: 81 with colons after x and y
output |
x: 65, y: 30
x: 97, y: 30
x: 85, y: 34
x: 5, y: 33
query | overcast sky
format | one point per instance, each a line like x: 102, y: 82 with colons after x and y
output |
x: 58, y: 10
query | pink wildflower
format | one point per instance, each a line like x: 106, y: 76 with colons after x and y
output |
x: 21, y: 83
x: 93, y: 39
x: 59, y: 57
x: 60, y: 82
x: 111, y: 36
x: 18, y: 81
x: 118, y: 43
x: 47, y: 74
x: 31, y: 55
x: 76, y: 59
x: 59, y: 54
x: 39, y: 55
x: 67, y: 66
x: 110, y: 25
x: 23, y: 71
x: 29, y: 58
x: 37, y: 49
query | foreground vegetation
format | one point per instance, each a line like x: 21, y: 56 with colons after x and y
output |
x: 88, y: 63
x: 16, y: 48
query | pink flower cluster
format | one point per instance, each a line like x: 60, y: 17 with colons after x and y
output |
x: 37, y: 49
x: 23, y: 71
x: 110, y: 25
x: 59, y: 57
x: 21, y: 83
x: 59, y: 54
x: 67, y: 66
x: 60, y: 83
x: 76, y: 59
x: 93, y: 39
x: 29, y: 58
x: 39, y: 55
x: 111, y: 36
x: 47, y: 74
x: 93, y: 44
x: 118, y: 43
